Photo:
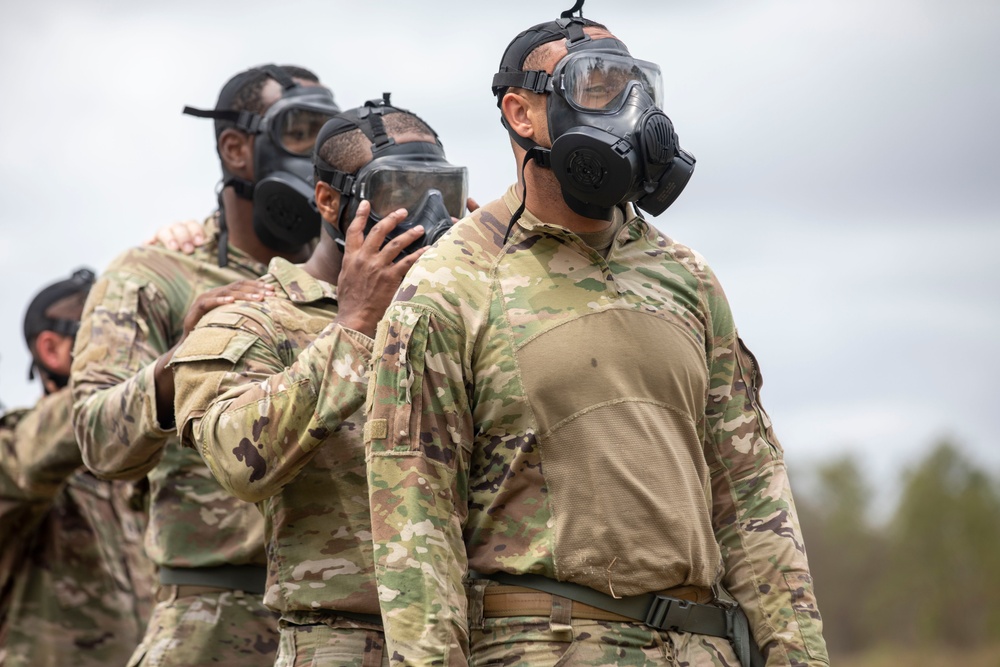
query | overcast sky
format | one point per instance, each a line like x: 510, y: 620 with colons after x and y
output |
x: 846, y: 190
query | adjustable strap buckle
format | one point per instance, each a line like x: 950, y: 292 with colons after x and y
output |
x: 340, y: 181
x: 536, y: 81
x: 249, y: 122
x: 668, y: 613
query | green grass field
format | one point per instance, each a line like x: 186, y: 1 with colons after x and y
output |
x: 937, y: 657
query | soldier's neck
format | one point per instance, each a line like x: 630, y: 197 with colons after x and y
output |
x: 325, y: 262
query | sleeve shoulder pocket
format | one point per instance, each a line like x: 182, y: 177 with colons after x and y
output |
x: 212, y: 342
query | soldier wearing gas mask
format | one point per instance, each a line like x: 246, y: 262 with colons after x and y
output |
x: 208, y: 546
x: 567, y: 455
x: 271, y: 392
x: 74, y: 583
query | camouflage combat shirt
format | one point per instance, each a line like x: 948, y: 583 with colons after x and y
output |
x: 536, y: 408
x: 135, y: 313
x: 271, y: 394
x: 74, y: 585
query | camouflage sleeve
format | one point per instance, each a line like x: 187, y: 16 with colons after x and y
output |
x: 18, y: 512
x: 753, y: 515
x: 418, y: 436
x: 41, y: 453
x: 256, y: 422
x: 124, y: 329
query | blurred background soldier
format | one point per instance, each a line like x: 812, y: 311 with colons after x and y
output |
x: 74, y: 584
x: 271, y: 392
x: 208, y: 546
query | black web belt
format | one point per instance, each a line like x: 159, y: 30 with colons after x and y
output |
x: 248, y: 578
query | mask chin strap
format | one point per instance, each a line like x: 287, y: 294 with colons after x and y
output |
x: 223, y: 231
x: 539, y: 155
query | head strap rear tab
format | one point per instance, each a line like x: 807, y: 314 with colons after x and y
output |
x: 247, y: 121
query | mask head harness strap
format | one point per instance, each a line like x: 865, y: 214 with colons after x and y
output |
x: 36, y: 321
x: 567, y: 27
x: 246, y: 121
x: 511, y: 75
x: 368, y: 119
x: 243, y: 120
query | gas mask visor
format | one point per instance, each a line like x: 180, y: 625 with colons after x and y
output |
x: 395, y: 182
x: 598, y: 82
x: 415, y: 177
x: 295, y: 126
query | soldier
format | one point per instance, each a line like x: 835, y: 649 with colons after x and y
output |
x: 271, y: 392
x: 208, y: 546
x: 562, y: 410
x: 74, y: 583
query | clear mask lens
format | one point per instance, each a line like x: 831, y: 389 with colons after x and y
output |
x: 392, y: 187
x: 600, y: 81
x: 297, y: 129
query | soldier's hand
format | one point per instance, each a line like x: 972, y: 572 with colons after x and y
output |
x: 241, y: 290
x: 368, y: 277
x: 163, y: 378
x: 183, y: 236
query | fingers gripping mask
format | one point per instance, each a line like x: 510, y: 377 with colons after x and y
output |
x: 284, y: 215
x: 413, y: 175
x: 611, y: 142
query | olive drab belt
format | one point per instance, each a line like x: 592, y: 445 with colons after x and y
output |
x: 667, y: 610
x: 682, y: 609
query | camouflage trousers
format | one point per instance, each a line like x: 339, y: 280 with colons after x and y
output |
x: 340, y: 642
x: 228, y: 628
x: 531, y: 641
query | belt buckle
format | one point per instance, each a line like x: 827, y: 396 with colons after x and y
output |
x: 667, y: 613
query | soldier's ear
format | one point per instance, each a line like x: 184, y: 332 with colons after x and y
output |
x: 54, y: 351
x: 328, y: 202
x: 236, y: 152
x: 518, y: 110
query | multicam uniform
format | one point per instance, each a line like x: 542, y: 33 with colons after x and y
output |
x: 537, y: 408
x: 75, y: 587
x: 202, y: 539
x: 271, y: 394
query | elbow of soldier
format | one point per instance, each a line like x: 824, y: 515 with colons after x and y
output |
x: 246, y: 491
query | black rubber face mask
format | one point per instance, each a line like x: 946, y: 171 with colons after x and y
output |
x: 413, y: 175
x: 284, y: 214
x: 36, y: 321
x: 621, y: 149
x: 611, y: 142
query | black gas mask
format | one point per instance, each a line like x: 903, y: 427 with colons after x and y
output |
x: 611, y: 142
x: 284, y: 215
x: 413, y: 175
x: 36, y: 320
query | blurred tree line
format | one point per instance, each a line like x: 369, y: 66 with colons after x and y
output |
x: 928, y: 576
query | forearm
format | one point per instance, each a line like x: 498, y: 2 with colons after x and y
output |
x: 766, y: 568
x: 754, y: 516
x: 420, y: 560
x: 116, y: 423
x: 260, y: 427
x: 418, y: 437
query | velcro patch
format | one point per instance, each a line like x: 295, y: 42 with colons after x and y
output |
x: 376, y: 429
x: 214, y: 343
